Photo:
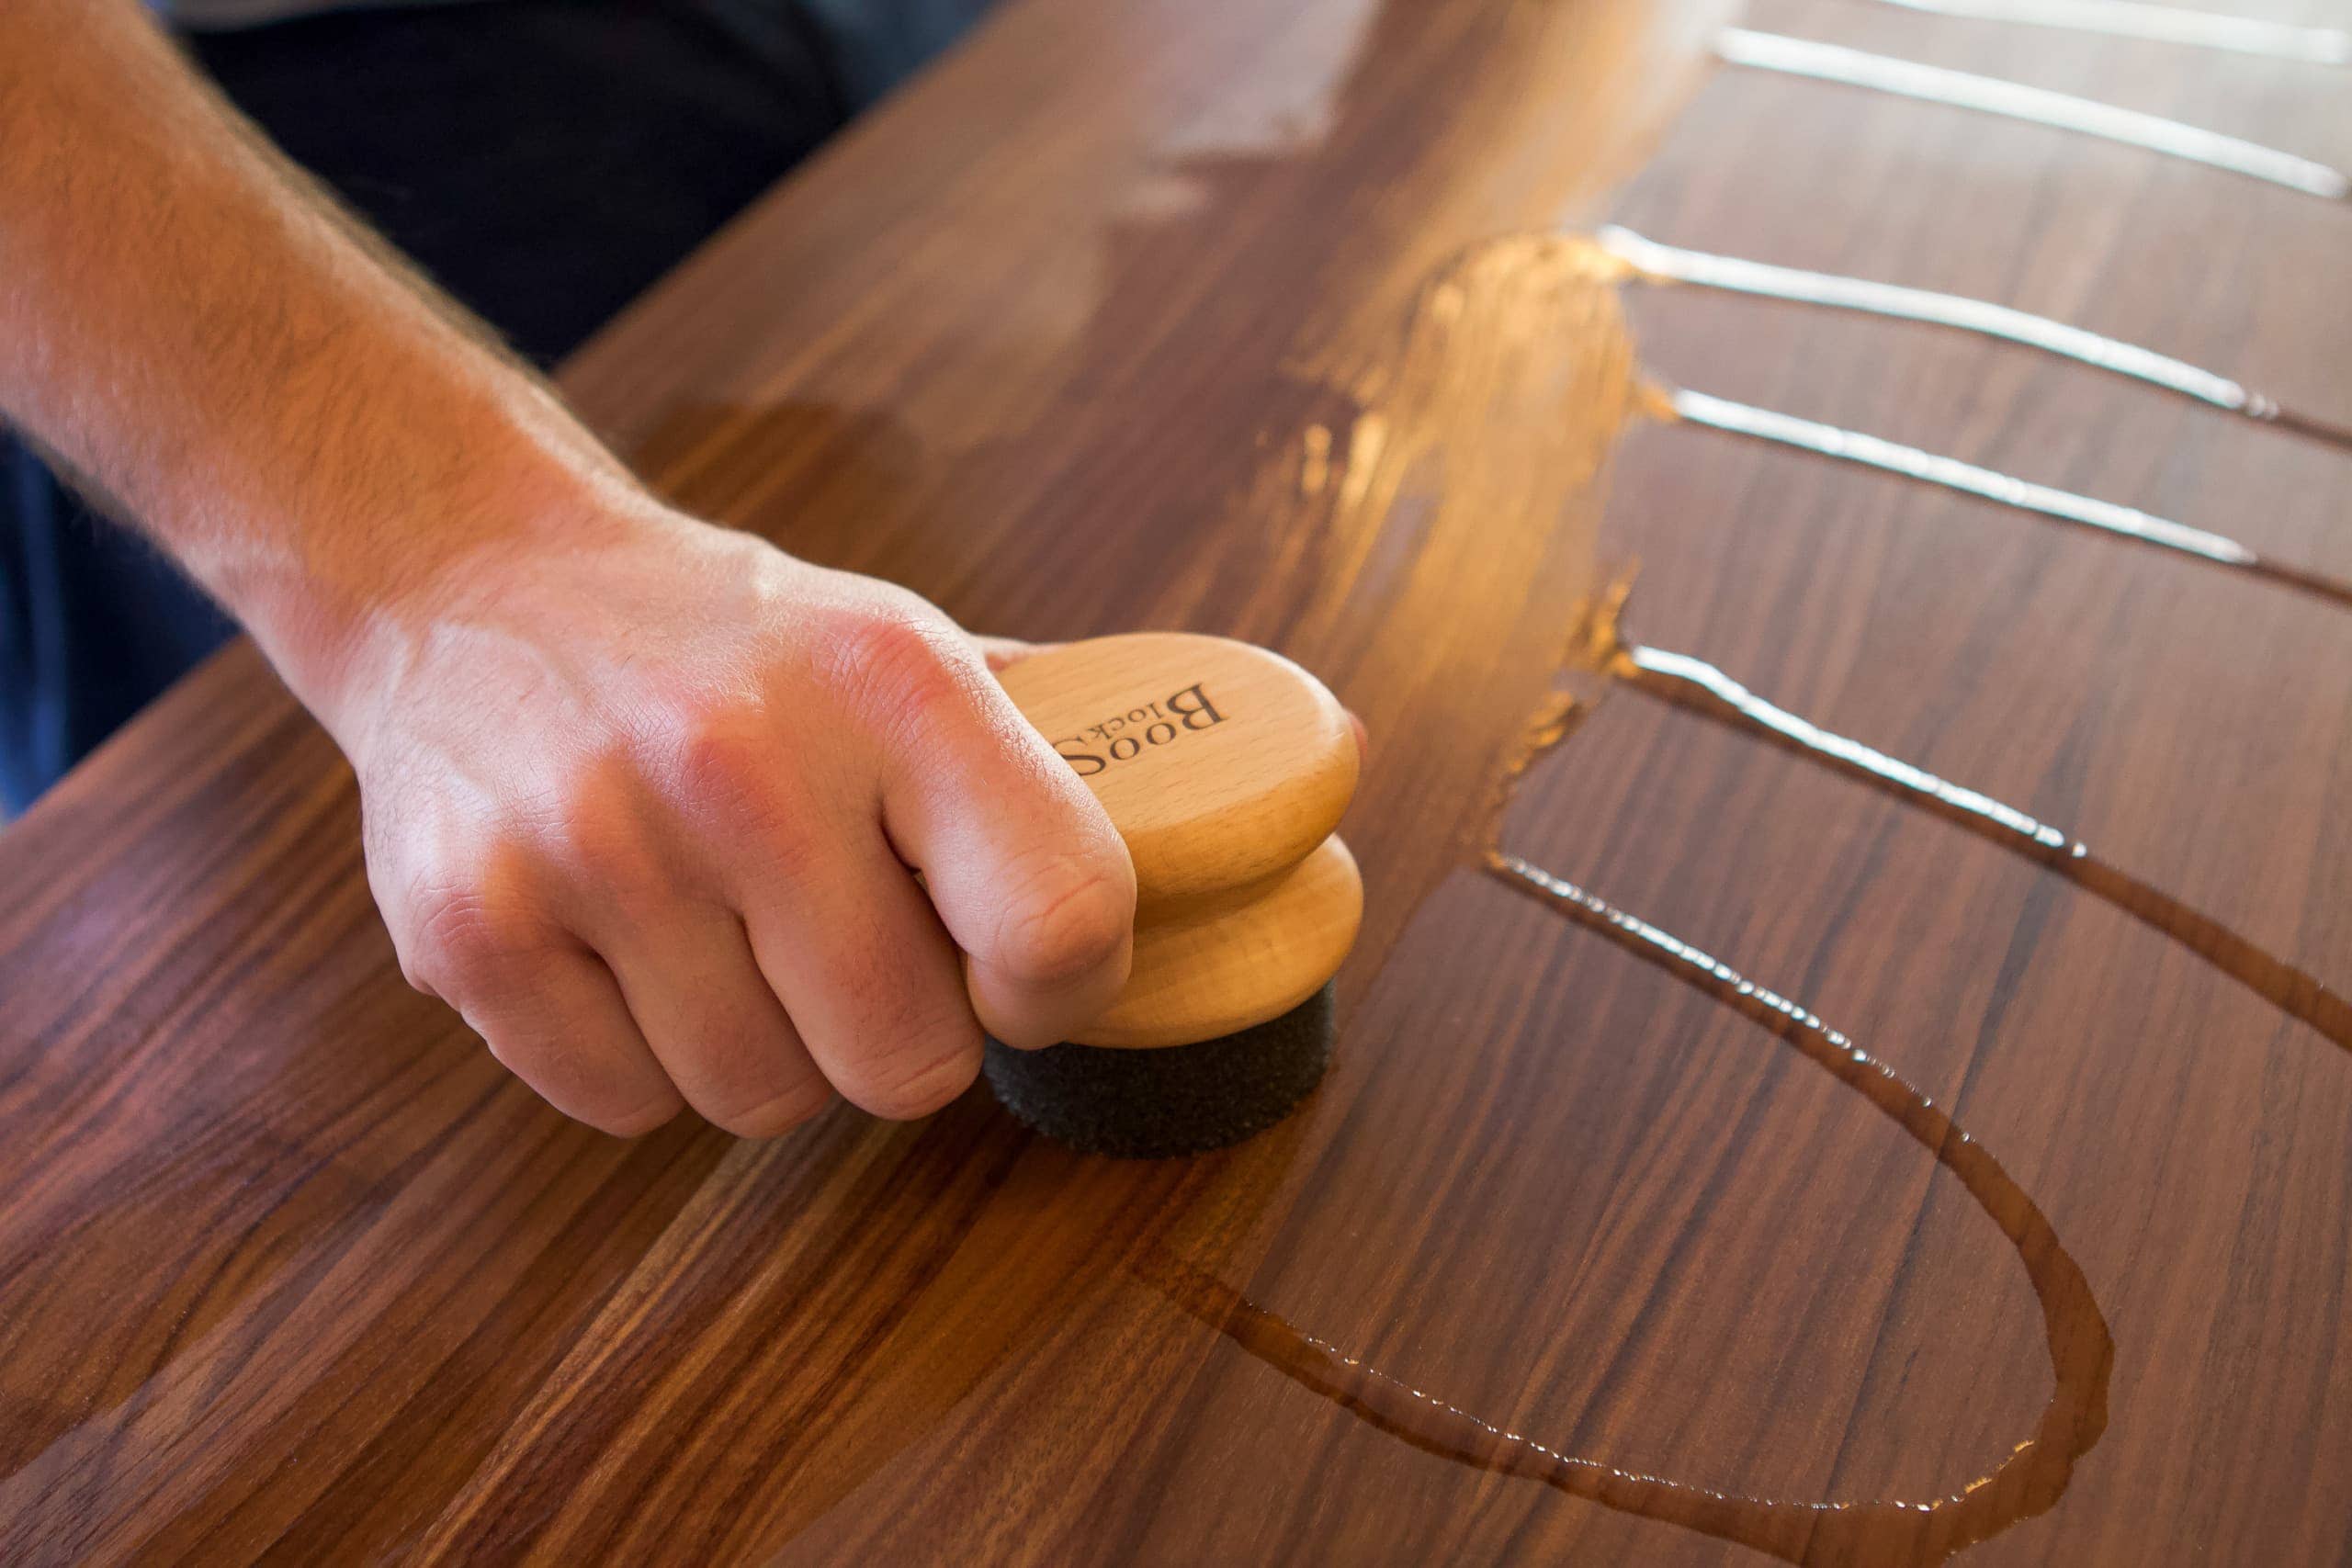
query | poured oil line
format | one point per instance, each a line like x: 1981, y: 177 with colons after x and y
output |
x: 1694, y: 684
x: 2015, y: 100
x: 2155, y: 24
x: 1950, y: 473
x: 1652, y: 262
x: 2029, y: 1481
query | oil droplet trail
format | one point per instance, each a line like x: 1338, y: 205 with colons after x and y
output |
x: 1950, y: 473
x: 2014, y: 100
x: 2158, y: 23
x: 2305, y: 424
x: 2082, y: 1351
x: 1703, y: 689
x: 1653, y: 262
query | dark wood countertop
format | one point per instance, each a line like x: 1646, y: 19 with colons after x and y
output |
x: 1268, y: 319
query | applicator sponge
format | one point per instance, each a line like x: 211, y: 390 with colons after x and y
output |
x: 1225, y: 768
x: 1179, y: 1099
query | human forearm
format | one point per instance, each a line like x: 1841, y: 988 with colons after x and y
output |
x: 311, y: 430
x: 641, y: 794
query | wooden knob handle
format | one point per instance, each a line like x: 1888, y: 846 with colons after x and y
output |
x: 1225, y: 767
x: 1222, y: 764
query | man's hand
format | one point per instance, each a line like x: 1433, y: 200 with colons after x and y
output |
x: 649, y: 812
x: 646, y: 800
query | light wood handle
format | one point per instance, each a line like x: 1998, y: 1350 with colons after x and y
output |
x: 1225, y: 767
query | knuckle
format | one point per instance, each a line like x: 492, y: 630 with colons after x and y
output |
x: 750, y: 797
x: 726, y: 759
x: 743, y: 1068
x: 1069, y: 916
x: 904, y: 1084
x: 773, y: 1114
x: 904, y: 662
x: 467, y: 934
x: 599, y: 842
x: 634, y: 1121
x: 914, y: 1053
x: 589, y: 1084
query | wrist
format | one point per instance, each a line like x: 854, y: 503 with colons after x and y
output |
x: 340, y: 617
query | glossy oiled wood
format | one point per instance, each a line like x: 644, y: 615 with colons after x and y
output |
x: 1226, y: 315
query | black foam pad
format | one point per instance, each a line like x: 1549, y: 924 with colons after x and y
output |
x: 1178, y: 1099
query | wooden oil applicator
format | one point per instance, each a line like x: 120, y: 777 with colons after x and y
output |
x: 1225, y: 767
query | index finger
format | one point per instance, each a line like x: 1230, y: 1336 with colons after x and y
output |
x: 1021, y: 860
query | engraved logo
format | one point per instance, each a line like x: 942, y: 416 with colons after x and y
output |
x: 1138, y: 730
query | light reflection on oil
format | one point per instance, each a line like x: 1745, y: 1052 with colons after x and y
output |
x: 2015, y: 100
x: 2007, y: 490
x: 1652, y: 263
x: 2155, y: 24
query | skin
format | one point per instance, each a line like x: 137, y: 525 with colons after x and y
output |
x: 671, y: 817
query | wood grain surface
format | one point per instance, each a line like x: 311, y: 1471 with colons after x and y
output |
x: 1725, y: 1157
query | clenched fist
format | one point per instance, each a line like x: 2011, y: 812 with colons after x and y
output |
x: 672, y: 819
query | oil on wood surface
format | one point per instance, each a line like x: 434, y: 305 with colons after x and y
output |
x: 1845, y: 1057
